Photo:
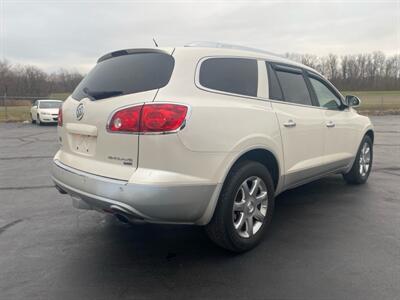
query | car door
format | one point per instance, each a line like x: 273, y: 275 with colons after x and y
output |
x: 340, y: 135
x: 301, y: 123
x: 34, y: 109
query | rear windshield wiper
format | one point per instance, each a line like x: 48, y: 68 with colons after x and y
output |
x: 97, y: 95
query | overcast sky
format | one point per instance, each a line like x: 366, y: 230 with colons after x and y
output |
x: 73, y: 34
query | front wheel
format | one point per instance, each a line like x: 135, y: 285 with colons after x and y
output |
x: 32, y: 120
x: 361, y: 168
x: 244, y: 208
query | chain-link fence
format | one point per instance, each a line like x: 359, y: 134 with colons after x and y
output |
x: 17, y: 108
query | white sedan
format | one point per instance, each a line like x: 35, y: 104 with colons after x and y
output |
x: 45, y: 111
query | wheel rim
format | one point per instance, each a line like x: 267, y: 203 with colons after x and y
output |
x: 365, y: 159
x: 250, y: 207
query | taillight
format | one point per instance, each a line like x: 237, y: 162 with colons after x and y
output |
x: 126, y: 120
x: 60, y: 116
x: 149, y: 118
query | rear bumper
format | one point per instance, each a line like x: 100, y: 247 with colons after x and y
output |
x: 48, y: 119
x: 153, y: 203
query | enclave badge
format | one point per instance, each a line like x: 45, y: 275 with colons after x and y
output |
x: 80, y: 111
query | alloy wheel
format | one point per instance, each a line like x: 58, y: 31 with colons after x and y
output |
x: 365, y: 159
x: 250, y: 206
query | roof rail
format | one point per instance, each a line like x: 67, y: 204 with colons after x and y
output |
x: 228, y: 46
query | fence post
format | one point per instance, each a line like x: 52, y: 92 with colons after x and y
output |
x: 5, y: 105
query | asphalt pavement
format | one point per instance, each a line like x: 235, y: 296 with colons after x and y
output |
x: 328, y: 240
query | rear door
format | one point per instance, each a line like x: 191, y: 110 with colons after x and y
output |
x: 121, y: 79
x: 301, y: 123
x: 340, y: 134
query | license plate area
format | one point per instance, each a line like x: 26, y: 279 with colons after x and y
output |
x: 83, y: 144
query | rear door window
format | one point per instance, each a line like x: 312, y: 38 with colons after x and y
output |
x: 126, y: 74
x: 293, y: 85
x: 231, y: 75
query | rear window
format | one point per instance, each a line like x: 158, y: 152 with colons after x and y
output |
x: 232, y: 75
x: 126, y: 74
x: 49, y: 104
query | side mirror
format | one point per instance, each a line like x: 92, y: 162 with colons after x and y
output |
x: 352, y: 101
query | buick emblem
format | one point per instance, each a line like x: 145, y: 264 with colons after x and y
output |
x: 80, y: 111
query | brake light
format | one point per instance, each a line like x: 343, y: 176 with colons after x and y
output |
x: 60, y: 117
x: 154, y: 118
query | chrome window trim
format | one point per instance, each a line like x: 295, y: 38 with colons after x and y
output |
x: 258, y: 98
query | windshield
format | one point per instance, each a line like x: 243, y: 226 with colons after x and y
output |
x: 49, y: 104
x: 126, y: 74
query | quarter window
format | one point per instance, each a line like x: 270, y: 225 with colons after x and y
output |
x: 294, y: 87
x: 324, y: 95
x: 231, y: 75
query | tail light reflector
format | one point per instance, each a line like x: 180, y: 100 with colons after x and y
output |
x: 149, y: 118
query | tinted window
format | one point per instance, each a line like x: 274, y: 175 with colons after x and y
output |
x: 49, y: 104
x: 275, y: 92
x: 294, y: 87
x: 325, y: 96
x: 232, y: 75
x: 126, y: 74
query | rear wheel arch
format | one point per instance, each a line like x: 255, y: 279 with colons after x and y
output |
x: 263, y: 156
x: 371, y: 134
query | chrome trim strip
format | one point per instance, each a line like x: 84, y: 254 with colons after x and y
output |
x: 86, y: 174
x: 301, y: 177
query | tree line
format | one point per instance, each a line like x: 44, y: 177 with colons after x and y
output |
x: 357, y: 72
x: 31, y: 81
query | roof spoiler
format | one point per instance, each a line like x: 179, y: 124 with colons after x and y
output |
x: 129, y: 51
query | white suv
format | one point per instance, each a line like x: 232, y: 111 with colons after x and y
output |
x: 206, y: 136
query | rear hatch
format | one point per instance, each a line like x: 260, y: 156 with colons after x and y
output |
x: 120, y: 79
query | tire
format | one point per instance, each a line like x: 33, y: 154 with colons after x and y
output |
x: 362, y: 165
x: 221, y: 228
x: 38, y: 120
x: 32, y: 120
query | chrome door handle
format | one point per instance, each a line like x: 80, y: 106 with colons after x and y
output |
x: 290, y: 123
x: 330, y: 124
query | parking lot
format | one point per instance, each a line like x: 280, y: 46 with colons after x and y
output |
x: 328, y: 240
